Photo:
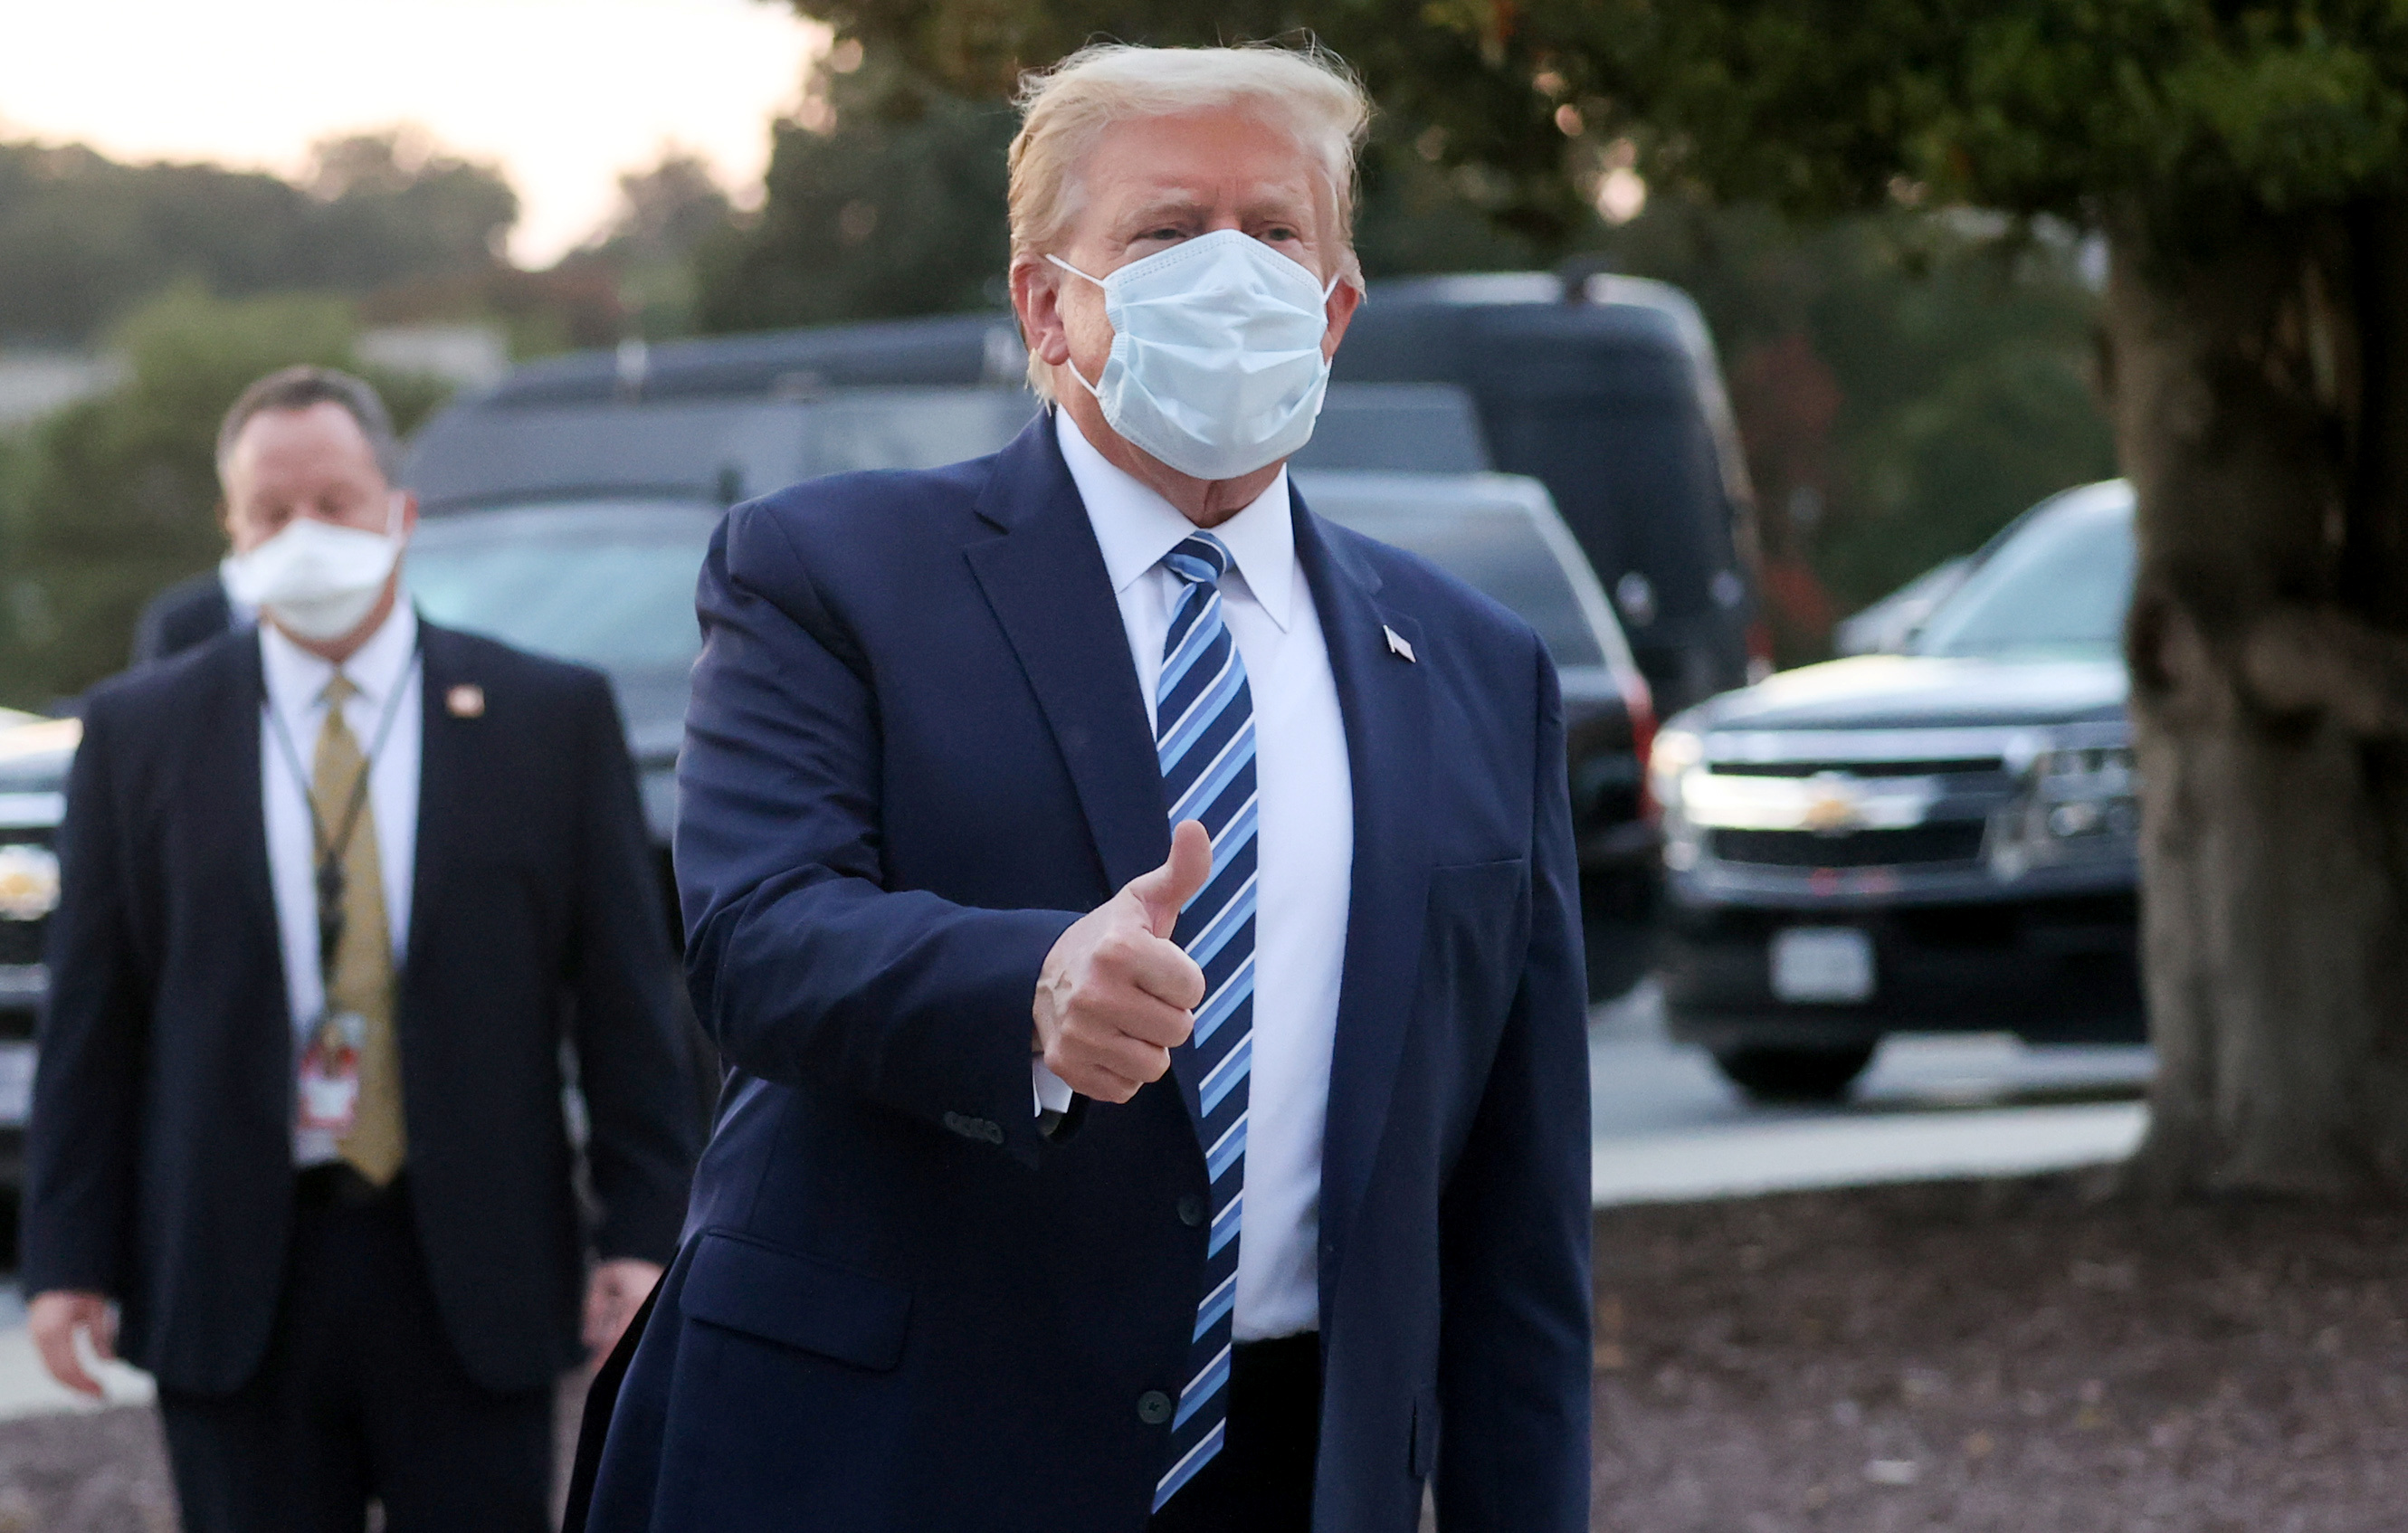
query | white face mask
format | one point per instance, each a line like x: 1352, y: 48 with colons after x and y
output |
x: 1216, y: 365
x: 318, y: 580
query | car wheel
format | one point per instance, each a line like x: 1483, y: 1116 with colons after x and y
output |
x: 1793, y: 1075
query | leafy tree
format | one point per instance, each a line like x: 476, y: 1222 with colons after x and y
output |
x: 1905, y: 386
x: 2245, y: 162
x: 889, y: 203
x: 668, y: 213
x: 113, y: 497
x: 83, y: 238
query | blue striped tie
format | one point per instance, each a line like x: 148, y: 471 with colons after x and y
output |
x: 1204, y: 735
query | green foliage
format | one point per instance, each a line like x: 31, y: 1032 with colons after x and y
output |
x: 2176, y: 107
x: 668, y: 213
x: 2184, y: 109
x: 893, y: 206
x: 894, y: 209
x: 1437, y: 65
x: 83, y: 238
x: 1958, y: 371
x: 115, y: 496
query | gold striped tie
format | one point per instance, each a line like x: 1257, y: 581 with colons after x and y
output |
x: 360, y: 978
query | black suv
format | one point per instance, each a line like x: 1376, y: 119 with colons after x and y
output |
x: 1943, y: 839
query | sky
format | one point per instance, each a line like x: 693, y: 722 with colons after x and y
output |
x: 563, y: 94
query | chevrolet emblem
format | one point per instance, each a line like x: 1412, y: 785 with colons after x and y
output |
x: 29, y: 882
x: 1831, y: 810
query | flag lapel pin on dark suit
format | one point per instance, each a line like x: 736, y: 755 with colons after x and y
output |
x: 1396, y: 644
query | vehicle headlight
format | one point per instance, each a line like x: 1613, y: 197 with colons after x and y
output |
x: 1677, y: 754
x: 1676, y: 751
x: 2076, y: 800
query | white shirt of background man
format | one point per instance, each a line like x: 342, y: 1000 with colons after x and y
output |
x: 297, y: 685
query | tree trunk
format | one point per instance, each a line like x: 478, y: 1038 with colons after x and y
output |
x: 2260, y: 393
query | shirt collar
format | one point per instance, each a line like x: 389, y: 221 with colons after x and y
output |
x: 296, y: 679
x: 1135, y: 526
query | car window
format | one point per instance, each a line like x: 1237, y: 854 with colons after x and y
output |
x: 911, y: 428
x: 1402, y: 428
x: 606, y: 584
x: 2058, y: 588
x: 1496, y: 550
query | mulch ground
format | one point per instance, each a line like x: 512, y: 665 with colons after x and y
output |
x: 1981, y: 1357
x: 2016, y: 1356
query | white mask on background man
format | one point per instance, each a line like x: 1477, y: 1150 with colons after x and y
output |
x: 1216, y: 365
x: 318, y: 580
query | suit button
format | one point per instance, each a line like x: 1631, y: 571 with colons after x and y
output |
x: 1154, y: 1407
x: 1191, y: 1211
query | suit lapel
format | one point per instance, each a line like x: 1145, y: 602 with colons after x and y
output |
x: 445, y: 771
x: 1046, y: 582
x: 228, y: 771
x: 1385, y: 702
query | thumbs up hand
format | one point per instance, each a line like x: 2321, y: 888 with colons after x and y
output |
x: 1116, y: 995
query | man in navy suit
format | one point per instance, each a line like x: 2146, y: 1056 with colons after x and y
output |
x: 1140, y: 918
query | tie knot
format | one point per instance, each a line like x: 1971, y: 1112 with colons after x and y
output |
x: 1200, y: 559
x: 339, y: 690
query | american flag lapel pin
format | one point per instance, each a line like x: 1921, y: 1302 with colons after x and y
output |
x: 465, y: 701
x: 1396, y: 644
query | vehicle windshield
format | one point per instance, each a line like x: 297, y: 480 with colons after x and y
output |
x: 610, y: 583
x: 1496, y: 550
x: 2057, y: 589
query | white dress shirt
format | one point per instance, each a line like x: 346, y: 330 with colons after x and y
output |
x: 1304, y: 849
x: 296, y: 681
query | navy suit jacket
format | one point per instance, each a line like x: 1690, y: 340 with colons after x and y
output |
x: 917, y: 752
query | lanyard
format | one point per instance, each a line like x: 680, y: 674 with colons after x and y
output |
x: 330, y: 849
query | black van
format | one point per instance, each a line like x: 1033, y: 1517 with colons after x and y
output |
x: 1607, y: 391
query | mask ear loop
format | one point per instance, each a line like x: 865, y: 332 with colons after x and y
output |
x: 1068, y: 365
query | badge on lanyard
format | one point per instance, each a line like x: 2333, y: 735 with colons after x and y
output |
x: 330, y: 1073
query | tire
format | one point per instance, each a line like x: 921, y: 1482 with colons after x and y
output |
x: 1795, y: 1075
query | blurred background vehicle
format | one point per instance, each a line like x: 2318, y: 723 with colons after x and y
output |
x: 1941, y: 840
x: 35, y: 755
x: 1605, y: 389
x: 1888, y: 625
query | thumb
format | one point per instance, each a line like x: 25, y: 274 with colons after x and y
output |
x: 1165, y: 889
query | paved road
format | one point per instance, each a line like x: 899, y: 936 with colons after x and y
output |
x: 1665, y: 1125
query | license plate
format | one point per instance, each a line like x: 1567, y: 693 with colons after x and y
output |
x: 16, y: 1084
x: 1830, y: 966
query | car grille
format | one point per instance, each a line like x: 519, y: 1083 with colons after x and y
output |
x: 1950, y: 766
x: 1944, y: 842
x: 21, y: 941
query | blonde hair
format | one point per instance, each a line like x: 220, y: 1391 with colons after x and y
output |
x: 1309, y: 91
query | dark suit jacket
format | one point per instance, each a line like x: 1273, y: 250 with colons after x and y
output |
x: 917, y: 749
x: 191, y: 611
x: 159, y: 1157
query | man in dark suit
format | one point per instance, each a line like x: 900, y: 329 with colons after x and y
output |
x: 338, y: 891
x: 1141, y: 920
x: 191, y: 611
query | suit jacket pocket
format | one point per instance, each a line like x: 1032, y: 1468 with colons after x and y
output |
x: 796, y: 1300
